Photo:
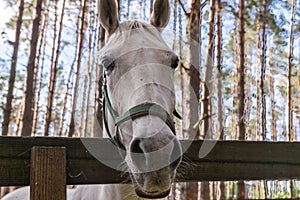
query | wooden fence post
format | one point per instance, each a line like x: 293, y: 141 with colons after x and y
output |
x: 48, y: 173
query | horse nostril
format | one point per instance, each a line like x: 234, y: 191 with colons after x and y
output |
x: 159, y: 153
x: 135, y: 146
x: 137, y: 154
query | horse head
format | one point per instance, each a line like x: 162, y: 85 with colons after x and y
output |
x: 139, y: 97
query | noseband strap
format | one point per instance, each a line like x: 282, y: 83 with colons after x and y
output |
x: 137, y: 111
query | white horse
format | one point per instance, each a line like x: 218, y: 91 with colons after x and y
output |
x: 139, y: 98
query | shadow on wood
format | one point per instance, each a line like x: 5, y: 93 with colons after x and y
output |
x: 228, y: 160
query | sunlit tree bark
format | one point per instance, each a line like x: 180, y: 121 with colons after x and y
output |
x: 54, y: 68
x: 53, y: 72
x: 234, y: 89
x: 190, y: 84
x: 67, y: 91
x: 40, y: 64
x: 258, y: 48
x: 289, y: 74
x: 90, y: 106
x: 190, y: 72
x: 78, y: 66
x: 241, y: 75
x: 19, y: 118
x: 208, y: 68
x: 12, y: 75
x: 219, y: 70
x: 101, y: 40
x: 241, y: 88
x: 290, y: 133
x: 263, y: 69
x: 272, y: 98
x: 29, y: 91
x: 220, y: 129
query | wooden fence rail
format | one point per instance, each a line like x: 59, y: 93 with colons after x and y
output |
x: 228, y: 160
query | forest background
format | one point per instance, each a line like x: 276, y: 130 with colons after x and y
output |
x: 246, y: 77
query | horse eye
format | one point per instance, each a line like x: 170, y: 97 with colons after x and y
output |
x: 108, y: 63
x: 111, y: 66
x: 175, y: 63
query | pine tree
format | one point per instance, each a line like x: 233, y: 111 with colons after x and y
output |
x: 78, y: 66
x: 40, y: 63
x: 220, y: 129
x: 290, y: 134
x: 101, y: 38
x: 219, y: 70
x: 29, y: 92
x: 241, y: 88
x: 54, y: 66
x: 190, y: 83
x: 209, y: 63
x: 262, y: 72
x: 12, y: 75
x: 289, y: 74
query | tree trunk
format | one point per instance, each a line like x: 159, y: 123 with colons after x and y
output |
x: 241, y: 89
x: 67, y: 94
x: 190, y: 84
x: 3, y: 191
x: 91, y: 104
x: 289, y: 74
x: 272, y: 99
x: 190, y: 73
x: 64, y: 108
x: 221, y: 192
x: 12, y: 75
x: 19, y: 118
x: 174, y: 24
x: 78, y: 65
x: 208, y: 68
x: 290, y: 133
x: 220, y: 129
x: 190, y: 191
x: 204, y: 191
x: 29, y: 93
x: 234, y: 89
x: 241, y: 82
x: 262, y: 72
x: 101, y: 41
x: 258, y: 48
x: 52, y: 78
x: 38, y: 86
x: 53, y: 73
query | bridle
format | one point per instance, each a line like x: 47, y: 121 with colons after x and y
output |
x: 137, y: 111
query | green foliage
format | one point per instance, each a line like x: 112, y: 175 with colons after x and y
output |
x: 27, y: 15
x: 282, y: 194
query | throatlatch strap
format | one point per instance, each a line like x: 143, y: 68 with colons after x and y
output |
x: 114, y: 139
x: 109, y: 106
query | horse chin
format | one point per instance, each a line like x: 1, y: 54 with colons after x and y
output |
x: 141, y: 192
x: 151, y: 195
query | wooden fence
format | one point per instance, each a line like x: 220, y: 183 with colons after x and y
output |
x: 48, y: 163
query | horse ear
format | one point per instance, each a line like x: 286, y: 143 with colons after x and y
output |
x: 160, y: 14
x: 108, y: 14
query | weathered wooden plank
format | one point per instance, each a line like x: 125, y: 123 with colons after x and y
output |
x: 222, y: 171
x: 48, y: 173
x: 228, y: 160
x: 14, y: 172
